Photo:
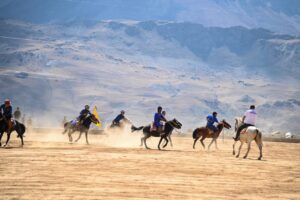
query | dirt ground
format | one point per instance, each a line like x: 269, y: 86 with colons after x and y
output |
x: 115, y: 167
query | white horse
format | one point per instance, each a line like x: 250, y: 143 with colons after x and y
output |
x: 247, y: 135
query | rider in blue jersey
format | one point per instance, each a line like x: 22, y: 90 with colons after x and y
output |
x: 211, y: 119
x: 158, y: 117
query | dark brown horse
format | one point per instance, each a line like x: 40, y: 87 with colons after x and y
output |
x: 18, y: 127
x: 204, y: 132
x: 169, y: 127
x: 82, y: 128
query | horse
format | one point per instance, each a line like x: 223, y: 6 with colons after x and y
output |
x: 169, y: 127
x: 205, y: 132
x: 247, y: 135
x: 18, y: 127
x: 82, y: 128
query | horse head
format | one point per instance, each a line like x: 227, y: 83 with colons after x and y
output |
x: 94, y: 119
x: 175, y: 123
x: 225, y: 124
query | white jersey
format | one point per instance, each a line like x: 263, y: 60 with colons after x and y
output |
x: 250, y: 117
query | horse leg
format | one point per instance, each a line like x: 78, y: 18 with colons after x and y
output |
x: 249, y: 147
x: 142, y: 140
x: 8, y: 138
x: 216, y: 145
x: 22, y: 142
x: 213, y: 140
x: 86, y: 137
x: 195, y: 142
x: 80, y: 133
x: 202, y: 139
x: 70, y: 135
x: 171, y: 143
x: 1, y: 134
x: 240, y: 149
x: 145, y: 138
x: 161, y: 138
x: 259, y: 144
x: 233, y: 148
x: 166, y: 142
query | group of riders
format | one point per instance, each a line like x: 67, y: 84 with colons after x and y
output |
x: 248, y: 119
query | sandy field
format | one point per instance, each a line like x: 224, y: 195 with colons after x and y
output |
x: 115, y: 167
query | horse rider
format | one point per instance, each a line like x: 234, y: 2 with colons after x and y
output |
x: 83, y: 114
x: 211, y: 119
x: 119, y: 118
x: 6, y: 110
x: 249, y: 119
x: 158, y: 118
x: 17, y: 114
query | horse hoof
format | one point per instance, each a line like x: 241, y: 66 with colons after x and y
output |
x: 233, y: 153
x: 259, y: 158
x: 237, y: 156
x: 245, y: 157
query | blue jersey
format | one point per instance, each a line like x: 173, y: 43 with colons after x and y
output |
x: 119, y: 118
x: 84, y: 112
x: 211, y: 120
x: 157, y: 119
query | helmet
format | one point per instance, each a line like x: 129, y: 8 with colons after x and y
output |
x: 122, y: 112
x: 7, y: 102
x: 87, y: 107
x: 159, y: 108
x: 215, y: 113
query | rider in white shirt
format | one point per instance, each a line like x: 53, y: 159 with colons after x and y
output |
x: 249, y: 119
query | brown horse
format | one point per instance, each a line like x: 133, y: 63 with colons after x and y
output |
x: 83, y: 128
x: 204, y: 132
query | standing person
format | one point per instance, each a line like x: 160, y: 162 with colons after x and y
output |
x: 211, y: 119
x: 6, y: 110
x: 158, y: 118
x: 249, y: 119
x: 17, y: 114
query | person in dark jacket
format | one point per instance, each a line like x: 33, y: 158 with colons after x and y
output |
x: 83, y: 114
x: 6, y: 110
x: 119, y: 118
x: 17, y: 114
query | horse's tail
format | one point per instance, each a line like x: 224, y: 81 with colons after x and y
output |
x: 195, y: 133
x: 133, y: 128
x: 258, y: 136
x: 65, y: 127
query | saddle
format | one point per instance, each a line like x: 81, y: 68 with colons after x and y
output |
x: 153, y: 127
x: 210, y: 132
